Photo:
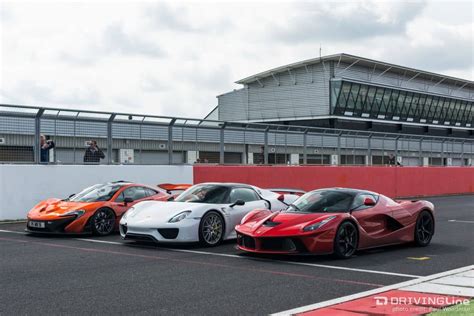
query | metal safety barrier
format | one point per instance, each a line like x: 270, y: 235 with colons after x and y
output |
x: 45, y: 135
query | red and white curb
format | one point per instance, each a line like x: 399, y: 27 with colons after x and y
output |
x: 419, y: 296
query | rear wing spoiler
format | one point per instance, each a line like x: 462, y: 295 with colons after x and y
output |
x: 287, y: 191
x: 170, y: 187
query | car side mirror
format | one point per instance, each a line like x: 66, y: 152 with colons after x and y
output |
x: 238, y: 203
x: 70, y: 196
x: 171, y: 198
x: 369, y: 202
x: 127, y: 200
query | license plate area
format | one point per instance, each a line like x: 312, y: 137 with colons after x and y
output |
x: 35, y: 224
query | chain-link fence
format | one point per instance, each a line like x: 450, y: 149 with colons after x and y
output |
x: 64, y: 136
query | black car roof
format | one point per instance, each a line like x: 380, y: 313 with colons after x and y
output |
x: 347, y: 190
x: 228, y: 184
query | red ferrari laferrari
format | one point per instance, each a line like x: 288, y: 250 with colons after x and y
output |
x: 337, y: 221
x: 96, y: 209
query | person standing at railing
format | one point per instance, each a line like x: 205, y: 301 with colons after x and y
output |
x: 45, y: 146
x: 93, y: 153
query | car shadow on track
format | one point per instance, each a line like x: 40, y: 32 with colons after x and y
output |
x: 404, y: 250
x: 229, y: 247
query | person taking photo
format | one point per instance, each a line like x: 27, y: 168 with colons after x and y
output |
x: 93, y: 153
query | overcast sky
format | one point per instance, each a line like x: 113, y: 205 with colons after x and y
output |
x: 173, y: 58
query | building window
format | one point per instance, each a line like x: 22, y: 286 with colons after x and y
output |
x: 362, y: 100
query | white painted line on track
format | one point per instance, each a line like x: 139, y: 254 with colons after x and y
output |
x: 352, y: 297
x: 12, y: 232
x: 282, y: 261
x: 20, y: 221
x: 100, y: 241
x: 218, y: 254
x: 456, y: 280
x: 460, y: 221
x: 443, y: 289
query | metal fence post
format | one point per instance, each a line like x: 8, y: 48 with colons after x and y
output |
x: 339, y: 158
x: 369, y: 150
x: 37, y: 141
x: 265, y: 147
x: 396, y: 149
x: 75, y: 139
x: 221, y: 145
x: 305, y: 147
x: 170, y: 141
x: 109, y: 138
x: 420, y: 152
x: 141, y: 140
x: 442, y: 152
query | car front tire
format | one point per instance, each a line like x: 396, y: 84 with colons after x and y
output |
x: 211, y: 229
x: 346, y: 240
x: 103, y: 222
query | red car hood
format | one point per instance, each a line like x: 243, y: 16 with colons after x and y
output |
x: 53, y: 208
x: 284, y: 223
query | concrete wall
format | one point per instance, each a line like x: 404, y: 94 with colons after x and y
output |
x: 23, y: 186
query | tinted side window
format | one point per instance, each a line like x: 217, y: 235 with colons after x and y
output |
x: 150, y: 192
x: 247, y: 195
x: 135, y: 193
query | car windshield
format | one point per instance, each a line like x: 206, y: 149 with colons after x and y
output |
x: 205, y: 193
x: 323, y: 201
x: 96, y: 193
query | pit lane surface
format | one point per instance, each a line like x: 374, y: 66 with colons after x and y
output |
x: 59, y: 275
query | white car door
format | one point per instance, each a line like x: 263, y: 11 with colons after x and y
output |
x: 237, y: 212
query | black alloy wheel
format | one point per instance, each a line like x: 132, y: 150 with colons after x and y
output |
x: 346, y: 240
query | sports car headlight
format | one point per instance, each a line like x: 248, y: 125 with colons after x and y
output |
x: 312, y: 227
x: 179, y: 217
x: 77, y: 213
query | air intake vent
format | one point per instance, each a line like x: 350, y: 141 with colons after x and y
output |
x: 269, y: 223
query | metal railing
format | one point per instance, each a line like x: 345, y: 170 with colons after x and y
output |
x: 130, y: 138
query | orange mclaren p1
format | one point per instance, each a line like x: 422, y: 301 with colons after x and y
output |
x: 96, y: 209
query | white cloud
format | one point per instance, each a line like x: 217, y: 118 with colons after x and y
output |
x: 174, y: 58
x: 346, y: 21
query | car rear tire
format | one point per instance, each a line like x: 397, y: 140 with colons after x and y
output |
x: 103, y: 222
x: 211, y: 229
x: 424, y: 229
x: 346, y: 240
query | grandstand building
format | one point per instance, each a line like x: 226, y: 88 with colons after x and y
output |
x: 351, y: 92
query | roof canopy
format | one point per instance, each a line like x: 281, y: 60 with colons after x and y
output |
x: 361, y: 61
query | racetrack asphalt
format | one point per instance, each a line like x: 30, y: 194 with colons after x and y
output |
x: 69, y: 275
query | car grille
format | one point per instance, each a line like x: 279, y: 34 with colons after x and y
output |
x: 138, y: 237
x: 280, y: 244
x: 168, y: 233
x: 245, y: 241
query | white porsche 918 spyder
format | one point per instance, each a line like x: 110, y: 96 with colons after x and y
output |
x: 205, y: 213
